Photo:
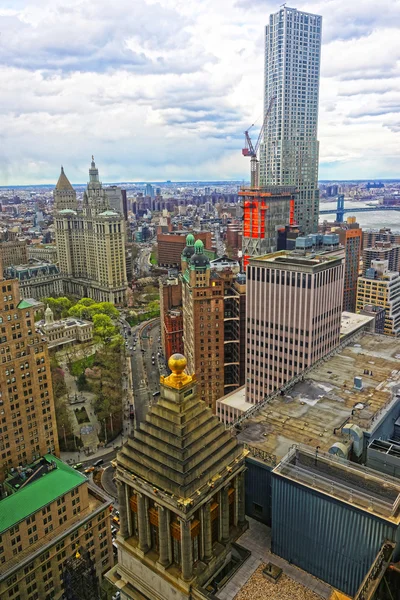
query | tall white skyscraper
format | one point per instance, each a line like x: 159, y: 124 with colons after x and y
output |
x: 289, y: 155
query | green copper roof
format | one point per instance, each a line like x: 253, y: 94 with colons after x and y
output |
x: 39, y: 493
x: 24, y: 304
x: 199, y: 247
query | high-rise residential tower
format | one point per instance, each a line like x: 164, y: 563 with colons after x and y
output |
x: 289, y: 155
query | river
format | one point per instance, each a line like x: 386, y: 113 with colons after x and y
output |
x: 367, y: 220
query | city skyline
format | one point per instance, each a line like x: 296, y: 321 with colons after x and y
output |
x: 182, y: 83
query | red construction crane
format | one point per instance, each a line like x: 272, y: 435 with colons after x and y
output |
x: 252, y: 151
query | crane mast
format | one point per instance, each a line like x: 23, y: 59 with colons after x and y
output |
x: 252, y: 151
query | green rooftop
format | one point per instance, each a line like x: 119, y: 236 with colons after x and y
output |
x: 39, y: 492
x: 25, y: 304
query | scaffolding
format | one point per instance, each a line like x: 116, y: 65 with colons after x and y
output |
x: 265, y: 211
x: 80, y: 579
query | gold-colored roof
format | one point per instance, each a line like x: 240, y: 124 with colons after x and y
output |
x: 63, y: 183
x: 177, y: 363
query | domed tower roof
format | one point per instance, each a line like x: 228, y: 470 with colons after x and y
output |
x: 188, y: 251
x: 199, y: 260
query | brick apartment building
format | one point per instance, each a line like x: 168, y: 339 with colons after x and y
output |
x: 13, y: 253
x: 28, y: 426
x: 171, y: 245
x: 213, y: 300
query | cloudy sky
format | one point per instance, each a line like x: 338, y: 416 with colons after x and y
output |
x: 163, y: 89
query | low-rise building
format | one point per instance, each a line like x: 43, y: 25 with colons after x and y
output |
x: 48, y: 513
x: 65, y: 331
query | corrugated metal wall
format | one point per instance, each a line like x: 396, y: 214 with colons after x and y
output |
x: 385, y: 428
x: 326, y: 538
x: 258, y: 490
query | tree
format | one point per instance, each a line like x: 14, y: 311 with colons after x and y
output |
x: 103, y: 327
x: 59, y: 306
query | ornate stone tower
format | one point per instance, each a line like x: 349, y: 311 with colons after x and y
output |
x: 64, y: 194
x: 181, y: 496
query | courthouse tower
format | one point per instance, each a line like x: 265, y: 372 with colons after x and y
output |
x: 181, y: 496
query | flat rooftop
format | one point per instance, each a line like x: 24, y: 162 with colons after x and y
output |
x: 237, y: 399
x: 344, y: 480
x: 36, y: 486
x: 306, y: 259
x: 311, y: 410
x: 350, y: 322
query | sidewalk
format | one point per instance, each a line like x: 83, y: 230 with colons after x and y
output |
x: 80, y: 456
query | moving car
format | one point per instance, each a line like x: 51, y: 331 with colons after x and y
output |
x: 89, y: 470
x: 78, y: 466
x: 98, y: 462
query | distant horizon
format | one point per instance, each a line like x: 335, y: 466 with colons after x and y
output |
x: 201, y: 182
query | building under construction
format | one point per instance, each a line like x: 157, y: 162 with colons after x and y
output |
x: 265, y: 211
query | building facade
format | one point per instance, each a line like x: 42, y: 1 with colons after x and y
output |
x: 382, y: 251
x: 350, y: 237
x: 43, y: 252
x: 171, y: 245
x: 289, y: 155
x: 90, y: 242
x: 371, y: 236
x: 293, y: 313
x: 181, y: 495
x: 13, y: 253
x: 28, y: 425
x: 171, y: 315
x: 64, y: 332
x: 37, y: 280
x: 50, y: 514
x: 381, y: 288
x: 213, y: 321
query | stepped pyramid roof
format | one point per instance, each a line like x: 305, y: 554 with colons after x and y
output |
x: 181, y: 447
x: 63, y: 183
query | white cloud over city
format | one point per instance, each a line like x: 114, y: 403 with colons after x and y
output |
x: 164, y: 89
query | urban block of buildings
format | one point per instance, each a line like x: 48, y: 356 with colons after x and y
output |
x: 181, y: 496
x: 338, y: 423
x: 49, y: 513
x: 90, y: 241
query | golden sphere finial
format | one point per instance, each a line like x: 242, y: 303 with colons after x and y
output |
x: 177, y: 363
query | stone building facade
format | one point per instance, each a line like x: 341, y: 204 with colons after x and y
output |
x: 181, y: 496
x: 64, y: 332
x: 90, y: 242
